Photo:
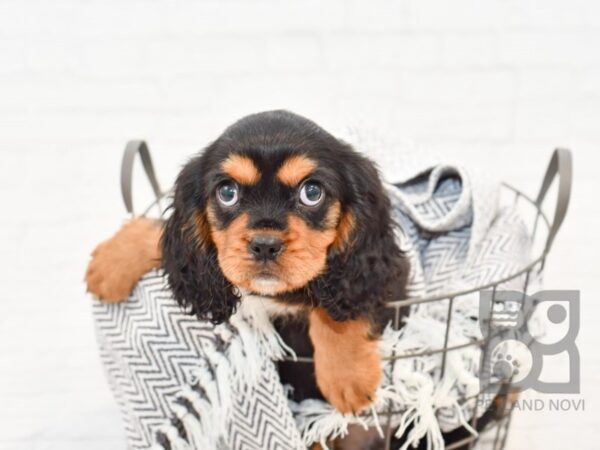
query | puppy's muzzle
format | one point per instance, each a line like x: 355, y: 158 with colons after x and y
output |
x: 265, y: 248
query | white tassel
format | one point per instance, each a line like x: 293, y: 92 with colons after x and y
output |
x: 254, y: 316
x: 197, y: 434
x: 175, y: 441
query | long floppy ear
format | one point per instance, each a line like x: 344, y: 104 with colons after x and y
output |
x: 189, y: 256
x: 365, y: 266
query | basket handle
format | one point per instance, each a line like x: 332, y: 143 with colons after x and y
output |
x: 131, y: 150
x: 561, y: 165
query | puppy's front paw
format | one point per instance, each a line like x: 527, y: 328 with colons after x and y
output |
x: 118, y: 263
x: 349, y: 385
x: 347, y: 362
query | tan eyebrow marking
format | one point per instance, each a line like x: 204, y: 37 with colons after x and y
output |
x: 295, y: 169
x: 241, y: 169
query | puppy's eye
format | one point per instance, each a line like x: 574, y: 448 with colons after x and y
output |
x: 311, y: 194
x: 227, y: 193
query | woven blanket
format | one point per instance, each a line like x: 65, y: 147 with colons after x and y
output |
x: 187, y: 384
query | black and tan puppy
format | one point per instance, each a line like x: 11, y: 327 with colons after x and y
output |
x: 278, y: 207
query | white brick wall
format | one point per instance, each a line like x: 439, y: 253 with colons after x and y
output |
x: 496, y: 83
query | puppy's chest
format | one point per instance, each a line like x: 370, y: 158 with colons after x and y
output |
x: 289, y: 319
x: 273, y: 306
x: 291, y: 322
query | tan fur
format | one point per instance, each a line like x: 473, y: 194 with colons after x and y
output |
x: 332, y: 217
x: 241, y: 169
x: 347, y: 362
x: 202, y: 231
x: 344, y: 232
x: 305, y: 252
x: 118, y: 263
x: 303, y: 258
x: 295, y: 169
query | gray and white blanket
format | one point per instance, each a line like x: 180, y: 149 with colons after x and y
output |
x: 186, y: 384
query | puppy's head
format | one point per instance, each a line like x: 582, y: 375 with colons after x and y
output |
x: 278, y: 206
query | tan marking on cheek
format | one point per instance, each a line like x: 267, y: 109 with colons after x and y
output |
x: 304, y: 256
x: 232, y: 249
x: 241, y: 168
x: 343, y: 238
x: 305, y: 252
x: 295, y: 169
x: 232, y: 253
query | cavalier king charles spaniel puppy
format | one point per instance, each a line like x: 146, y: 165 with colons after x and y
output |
x: 276, y: 207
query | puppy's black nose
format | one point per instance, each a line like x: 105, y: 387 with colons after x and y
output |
x: 265, y: 248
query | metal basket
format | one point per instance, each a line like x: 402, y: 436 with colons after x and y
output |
x: 560, y: 166
x: 542, y: 229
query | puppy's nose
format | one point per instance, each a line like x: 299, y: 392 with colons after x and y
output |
x: 265, y: 248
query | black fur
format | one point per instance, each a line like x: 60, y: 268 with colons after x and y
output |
x: 357, y: 281
x: 373, y: 269
x: 191, y: 264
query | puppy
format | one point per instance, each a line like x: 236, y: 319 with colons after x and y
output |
x: 280, y: 208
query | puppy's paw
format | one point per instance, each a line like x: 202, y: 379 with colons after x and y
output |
x: 347, y: 361
x: 118, y: 263
x: 349, y: 385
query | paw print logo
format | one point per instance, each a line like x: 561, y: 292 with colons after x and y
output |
x: 505, y: 367
x: 511, y: 361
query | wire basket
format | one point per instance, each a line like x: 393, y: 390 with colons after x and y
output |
x: 560, y: 167
x: 542, y: 231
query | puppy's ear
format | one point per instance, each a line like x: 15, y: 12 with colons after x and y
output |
x: 365, y: 266
x: 189, y: 256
